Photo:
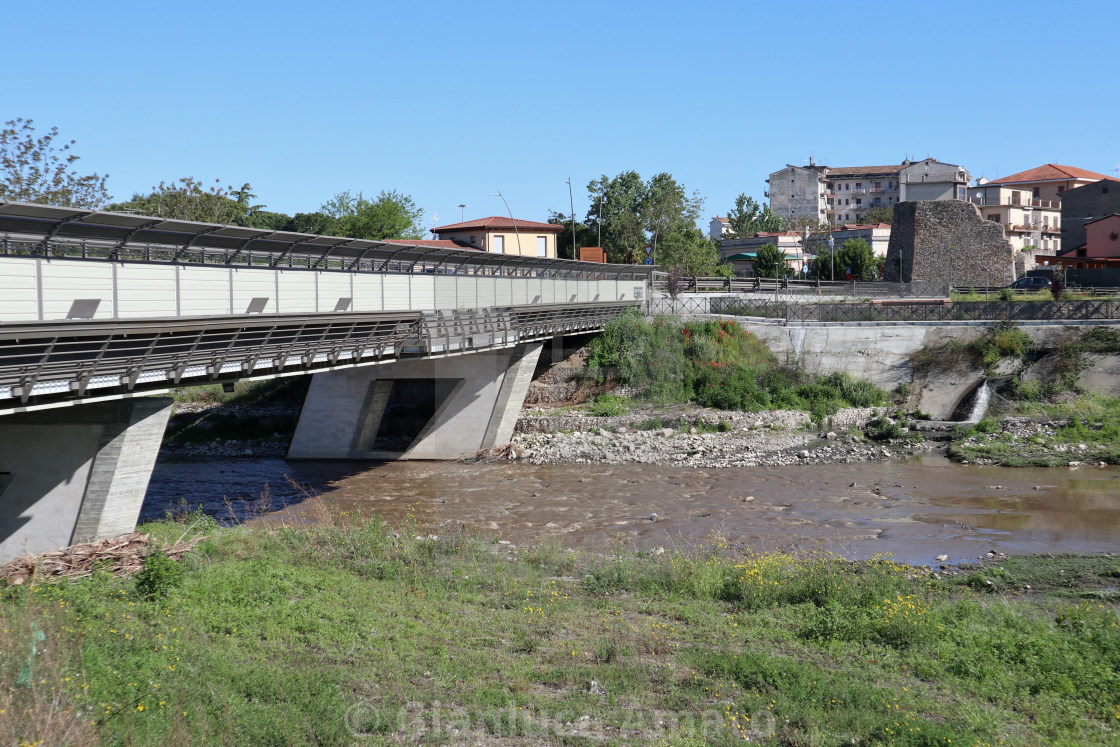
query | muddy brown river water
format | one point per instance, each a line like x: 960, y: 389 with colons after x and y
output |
x: 913, y: 510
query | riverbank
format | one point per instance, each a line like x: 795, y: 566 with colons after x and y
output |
x: 358, y: 633
x: 690, y: 436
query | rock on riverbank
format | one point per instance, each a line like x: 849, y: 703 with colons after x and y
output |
x: 775, y: 438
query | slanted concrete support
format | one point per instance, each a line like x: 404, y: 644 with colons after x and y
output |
x: 76, y: 474
x: 420, y: 409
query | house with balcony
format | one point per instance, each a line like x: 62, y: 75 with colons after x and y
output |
x: 718, y: 228
x: 499, y: 235
x: 1029, y: 206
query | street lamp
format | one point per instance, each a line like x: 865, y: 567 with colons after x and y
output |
x: 602, y: 195
x: 462, y: 211
x: 572, y: 203
x: 513, y: 220
x: 832, y: 255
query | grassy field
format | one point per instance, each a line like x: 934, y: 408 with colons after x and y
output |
x: 354, y: 633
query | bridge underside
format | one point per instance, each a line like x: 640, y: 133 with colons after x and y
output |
x: 439, y: 408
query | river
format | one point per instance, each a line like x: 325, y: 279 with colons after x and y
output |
x: 913, y: 510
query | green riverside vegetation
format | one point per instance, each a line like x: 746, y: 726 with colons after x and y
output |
x: 353, y: 633
x: 715, y: 364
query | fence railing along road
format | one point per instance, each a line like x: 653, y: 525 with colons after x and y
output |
x: 895, y: 311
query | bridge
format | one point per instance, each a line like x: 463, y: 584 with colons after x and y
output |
x: 417, y: 352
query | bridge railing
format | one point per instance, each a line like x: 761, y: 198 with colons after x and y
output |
x: 919, y: 311
x: 52, y: 362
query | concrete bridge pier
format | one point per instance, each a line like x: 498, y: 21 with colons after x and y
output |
x: 76, y: 474
x: 438, y: 408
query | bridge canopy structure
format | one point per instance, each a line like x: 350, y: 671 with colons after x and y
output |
x: 97, y: 305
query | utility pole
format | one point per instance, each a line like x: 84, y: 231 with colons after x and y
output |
x: 572, y: 204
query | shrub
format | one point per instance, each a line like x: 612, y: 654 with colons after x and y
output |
x: 158, y: 576
x: 609, y: 405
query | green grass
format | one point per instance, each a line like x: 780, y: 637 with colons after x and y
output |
x: 715, y: 364
x: 354, y: 633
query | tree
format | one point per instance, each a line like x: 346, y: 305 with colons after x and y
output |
x: 748, y: 218
x: 619, y: 220
x: 769, y: 260
x: 632, y: 213
x: 187, y: 199
x: 855, y: 257
x: 319, y: 223
x: 391, y: 216
x: 34, y: 169
x: 691, y: 253
x: 564, y: 246
x: 879, y: 214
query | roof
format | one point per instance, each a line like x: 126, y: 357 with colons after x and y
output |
x: 1050, y: 172
x: 860, y: 170
x: 1098, y: 220
x: 498, y: 222
x: 721, y: 219
x: 434, y: 243
x: 107, y: 234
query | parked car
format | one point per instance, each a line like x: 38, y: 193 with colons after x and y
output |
x: 1031, y: 283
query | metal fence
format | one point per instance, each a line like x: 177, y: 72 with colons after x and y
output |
x: 918, y: 289
x: 916, y: 311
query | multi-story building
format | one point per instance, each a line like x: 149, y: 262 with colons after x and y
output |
x: 718, y: 228
x: 837, y: 195
x: 1029, y: 206
x: 1081, y: 205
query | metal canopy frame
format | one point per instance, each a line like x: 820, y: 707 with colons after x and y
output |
x: 29, y: 229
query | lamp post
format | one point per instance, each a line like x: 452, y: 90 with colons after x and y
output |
x: 462, y: 211
x: 832, y: 255
x: 602, y: 195
x: 572, y: 203
x: 513, y: 220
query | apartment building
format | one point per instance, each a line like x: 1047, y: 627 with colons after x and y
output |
x: 1029, y: 204
x: 842, y: 194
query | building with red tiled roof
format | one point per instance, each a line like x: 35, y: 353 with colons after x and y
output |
x: 503, y: 236
x: 1052, y: 172
x: 719, y: 227
x: 1029, y: 207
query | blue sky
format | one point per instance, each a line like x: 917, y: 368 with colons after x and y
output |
x: 450, y: 102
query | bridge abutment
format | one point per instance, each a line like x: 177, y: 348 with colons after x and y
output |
x: 76, y: 474
x: 438, y: 408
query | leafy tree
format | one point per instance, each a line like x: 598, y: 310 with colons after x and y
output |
x: 881, y: 214
x: 619, y: 219
x: 35, y: 169
x: 748, y: 218
x: 769, y: 261
x: 660, y: 212
x: 585, y: 235
x: 855, y: 255
x: 691, y: 253
x: 320, y: 223
x: 187, y: 199
x: 391, y: 216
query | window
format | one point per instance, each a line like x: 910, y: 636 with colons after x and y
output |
x: 1104, y: 190
x: 847, y: 202
x: 859, y: 202
x: 878, y: 185
x: 1035, y: 192
x: 499, y: 244
x: 859, y: 184
x: 542, y: 246
x: 1061, y: 189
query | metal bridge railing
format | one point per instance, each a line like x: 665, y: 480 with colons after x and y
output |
x: 917, y: 311
x: 51, y: 362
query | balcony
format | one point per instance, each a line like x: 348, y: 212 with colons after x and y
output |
x: 857, y: 191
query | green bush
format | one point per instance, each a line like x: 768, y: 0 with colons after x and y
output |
x: 158, y: 576
x: 609, y: 405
